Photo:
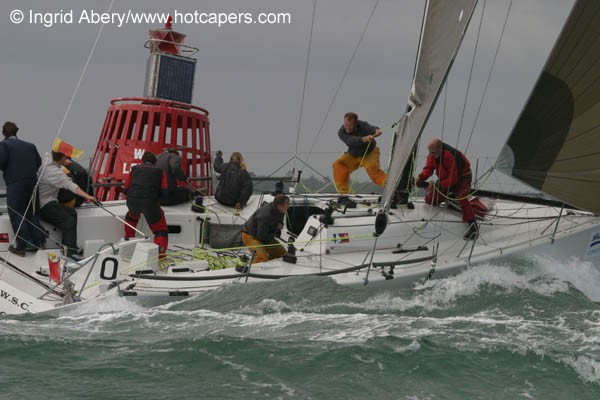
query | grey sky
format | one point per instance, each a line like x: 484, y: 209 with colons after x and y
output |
x: 250, y: 77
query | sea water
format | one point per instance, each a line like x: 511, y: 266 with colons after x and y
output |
x: 522, y: 330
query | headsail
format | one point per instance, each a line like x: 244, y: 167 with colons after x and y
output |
x: 443, y: 29
x: 555, y: 145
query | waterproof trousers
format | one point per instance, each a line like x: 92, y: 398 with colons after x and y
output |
x: 155, y: 217
x: 65, y: 219
x: 346, y: 164
x: 263, y: 252
x: 461, y: 192
x: 18, y: 196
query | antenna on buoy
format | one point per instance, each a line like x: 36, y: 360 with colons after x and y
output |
x: 163, y: 119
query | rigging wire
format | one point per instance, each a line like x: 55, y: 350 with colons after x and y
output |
x: 63, y: 121
x: 489, y: 76
x: 312, y: 24
x: 293, y: 158
x: 466, y: 95
x: 464, y: 107
x: 437, y: 192
x: 444, y: 109
x: 343, y: 77
x: 87, y: 63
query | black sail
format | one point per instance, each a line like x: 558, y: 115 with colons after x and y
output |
x: 555, y: 145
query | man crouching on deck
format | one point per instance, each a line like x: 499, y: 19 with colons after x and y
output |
x: 258, y: 233
x: 454, y: 171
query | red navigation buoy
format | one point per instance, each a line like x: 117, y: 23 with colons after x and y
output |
x: 164, y: 119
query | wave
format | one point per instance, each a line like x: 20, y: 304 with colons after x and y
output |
x: 521, y: 309
x: 584, y: 275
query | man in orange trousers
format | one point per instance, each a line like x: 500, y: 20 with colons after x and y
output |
x: 359, y: 136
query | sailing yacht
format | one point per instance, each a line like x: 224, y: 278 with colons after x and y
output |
x: 366, y: 240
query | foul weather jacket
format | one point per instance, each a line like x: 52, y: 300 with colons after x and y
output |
x: 450, y: 170
x: 146, y: 181
x: 264, y: 224
x: 19, y: 160
x: 235, y: 184
x: 81, y: 177
x: 171, y: 165
x: 356, y: 147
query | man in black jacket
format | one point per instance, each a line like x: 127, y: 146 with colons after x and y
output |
x: 143, y: 186
x: 235, y: 185
x: 80, y: 176
x: 19, y: 161
x: 359, y: 136
x: 258, y: 233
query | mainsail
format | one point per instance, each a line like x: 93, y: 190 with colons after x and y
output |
x: 555, y: 145
x: 443, y: 29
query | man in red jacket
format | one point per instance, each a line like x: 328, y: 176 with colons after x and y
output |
x: 454, y: 173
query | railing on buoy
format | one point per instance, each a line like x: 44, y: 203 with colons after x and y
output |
x: 134, y: 125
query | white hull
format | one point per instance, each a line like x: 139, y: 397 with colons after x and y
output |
x: 342, y: 250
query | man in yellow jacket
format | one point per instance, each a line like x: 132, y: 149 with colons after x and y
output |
x: 359, y: 136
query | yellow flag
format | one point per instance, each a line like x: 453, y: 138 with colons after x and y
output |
x: 61, y: 146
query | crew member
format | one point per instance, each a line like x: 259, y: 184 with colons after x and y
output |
x: 454, y: 172
x: 144, y: 185
x: 52, y: 179
x: 235, y: 185
x: 359, y: 136
x: 170, y: 162
x: 80, y: 176
x: 19, y: 162
x: 258, y: 233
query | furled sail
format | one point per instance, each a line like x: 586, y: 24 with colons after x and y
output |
x: 443, y: 29
x: 555, y: 145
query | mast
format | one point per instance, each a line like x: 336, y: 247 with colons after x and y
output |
x: 443, y: 29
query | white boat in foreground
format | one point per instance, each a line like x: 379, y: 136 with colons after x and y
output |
x: 419, y: 244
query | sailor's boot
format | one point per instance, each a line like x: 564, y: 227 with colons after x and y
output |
x: 473, y: 231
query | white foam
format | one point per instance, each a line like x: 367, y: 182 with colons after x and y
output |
x: 363, y: 359
x: 528, y: 392
x: 267, y: 306
x: 468, y: 282
x: 412, y: 347
x: 587, y: 368
x: 439, y: 294
x: 110, y: 304
x: 584, y: 275
x: 245, y: 371
x: 572, y: 338
x: 415, y: 397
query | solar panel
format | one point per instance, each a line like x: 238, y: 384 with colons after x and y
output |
x: 170, y: 77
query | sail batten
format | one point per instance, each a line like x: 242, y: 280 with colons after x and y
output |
x: 444, y: 26
x: 555, y: 144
